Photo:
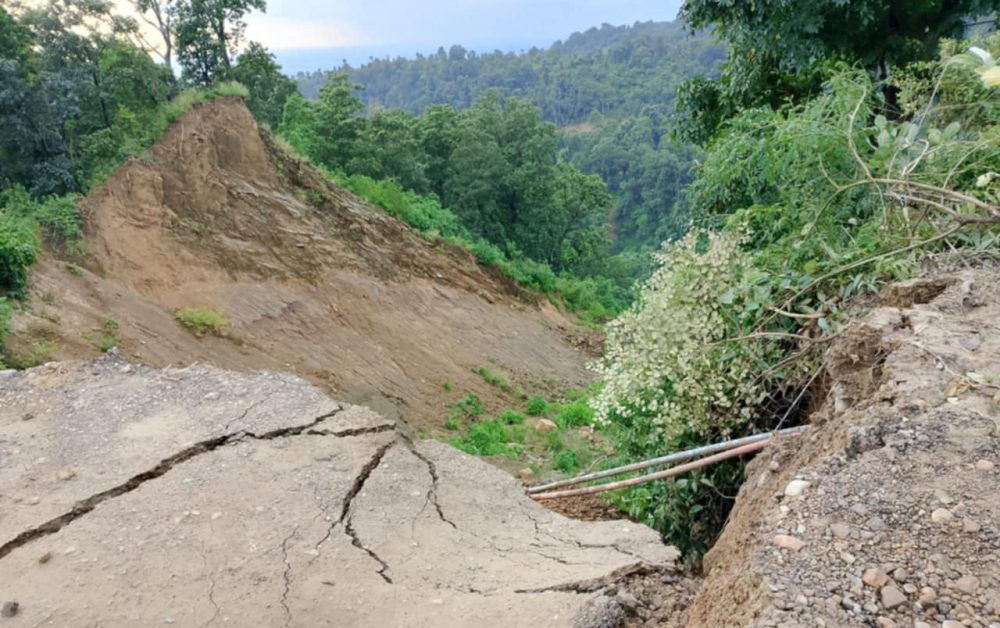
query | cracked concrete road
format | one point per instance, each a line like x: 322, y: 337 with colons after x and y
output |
x: 198, y: 497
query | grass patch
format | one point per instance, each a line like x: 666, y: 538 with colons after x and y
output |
x: 536, y: 406
x: 107, y: 339
x: 488, y: 438
x: 203, y: 321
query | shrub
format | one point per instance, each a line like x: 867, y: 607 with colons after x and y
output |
x: 202, y: 321
x: 471, y: 407
x: 18, y: 251
x: 566, y: 461
x: 536, y: 406
x: 488, y: 438
x: 511, y: 417
x: 575, y: 414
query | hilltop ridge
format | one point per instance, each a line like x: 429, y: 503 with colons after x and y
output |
x: 218, y: 216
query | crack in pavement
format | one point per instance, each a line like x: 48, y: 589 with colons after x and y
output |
x: 354, y: 431
x: 596, y: 584
x: 432, y: 495
x: 87, y: 505
x: 287, y: 576
x: 345, y: 517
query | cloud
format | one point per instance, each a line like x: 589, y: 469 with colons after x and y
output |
x: 290, y: 32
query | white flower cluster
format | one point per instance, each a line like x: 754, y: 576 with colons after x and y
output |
x: 664, y: 363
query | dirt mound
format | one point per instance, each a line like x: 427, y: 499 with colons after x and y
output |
x: 311, y: 280
x: 887, y: 513
x: 141, y: 497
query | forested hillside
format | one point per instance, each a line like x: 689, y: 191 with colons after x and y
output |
x: 611, y: 91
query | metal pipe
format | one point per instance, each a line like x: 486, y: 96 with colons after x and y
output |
x: 653, y: 462
x: 659, y: 475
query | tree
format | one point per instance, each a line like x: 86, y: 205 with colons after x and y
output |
x: 269, y: 89
x: 298, y: 125
x: 577, y: 222
x: 391, y: 148
x: 15, y: 40
x: 160, y: 14
x: 777, y: 48
x: 32, y: 151
x: 73, y: 37
x: 207, y: 33
x: 337, y: 125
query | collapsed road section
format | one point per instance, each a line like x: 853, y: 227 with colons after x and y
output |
x: 133, y: 496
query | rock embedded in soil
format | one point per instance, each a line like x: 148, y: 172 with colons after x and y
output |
x: 942, y: 515
x: 544, y: 426
x: 892, y: 597
x: 874, y: 577
x: 786, y: 541
x: 796, y: 488
x: 902, y: 492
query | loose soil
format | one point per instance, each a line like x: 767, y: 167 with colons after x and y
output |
x: 313, y: 281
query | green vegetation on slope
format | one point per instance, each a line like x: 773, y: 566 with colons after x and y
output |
x: 487, y: 178
x: 78, y: 98
x: 816, y: 203
x: 610, y: 90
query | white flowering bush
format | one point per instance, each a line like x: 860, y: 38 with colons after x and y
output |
x: 668, y: 368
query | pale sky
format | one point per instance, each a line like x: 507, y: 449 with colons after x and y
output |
x: 427, y: 24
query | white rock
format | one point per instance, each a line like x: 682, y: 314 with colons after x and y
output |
x: 795, y: 488
x: 942, y: 515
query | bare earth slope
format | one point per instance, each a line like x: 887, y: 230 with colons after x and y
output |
x: 899, y: 524
x: 312, y: 280
x: 197, y: 497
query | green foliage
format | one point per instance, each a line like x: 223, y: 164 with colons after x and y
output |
x: 18, y: 250
x: 595, y: 299
x: 488, y: 438
x: 536, y: 406
x: 107, y: 338
x: 202, y: 321
x: 447, y: 386
x: 567, y: 461
x: 471, y: 407
x: 268, y: 89
x: 779, y: 49
x: 5, y: 312
x: 610, y: 89
x: 496, y: 379
x: 814, y: 204
x: 575, y: 414
x: 207, y: 33
x: 511, y: 417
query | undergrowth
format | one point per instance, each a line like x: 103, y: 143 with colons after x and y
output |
x: 202, y: 321
x: 593, y: 299
x: 574, y: 445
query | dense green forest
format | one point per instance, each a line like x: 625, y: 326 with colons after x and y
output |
x: 610, y: 90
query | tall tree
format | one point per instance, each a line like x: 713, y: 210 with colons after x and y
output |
x: 160, y: 14
x: 207, y: 33
x: 338, y: 125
